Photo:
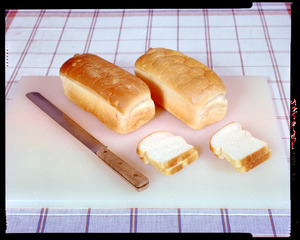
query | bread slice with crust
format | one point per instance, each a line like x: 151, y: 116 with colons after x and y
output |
x: 166, y: 152
x: 239, y: 147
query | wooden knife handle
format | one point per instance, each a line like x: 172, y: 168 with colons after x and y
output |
x: 133, y: 176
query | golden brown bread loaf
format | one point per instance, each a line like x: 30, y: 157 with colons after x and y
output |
x: 119, y: 99
x: 185, y: 87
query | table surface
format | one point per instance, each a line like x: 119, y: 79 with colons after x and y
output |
x: 253, y: 41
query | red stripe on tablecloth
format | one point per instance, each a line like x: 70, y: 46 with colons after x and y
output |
x: 177, y: 29
x: 160, y: 26
x: 223, y: 221
x: 87, y: 220
x: 272, y: 223
x: 227, y: 220
x: 118, y: 42
x: 42, y: 220
x: 149, y: 27
x: 187, y: 52
x: 288, y: 7
x: 139, y: 39
x: 207, y: 38
x: 133, y: 220
x: 9, y: 18
x: 58, y: 42
x: 179, y: 220
x: 130, y: 221
x: 274, y: 62
x: 21, y: 59
x: 158, y: 12
x: 238, y: 42
x: 90, y: 35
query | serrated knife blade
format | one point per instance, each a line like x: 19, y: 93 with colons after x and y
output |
x: 133, y: 176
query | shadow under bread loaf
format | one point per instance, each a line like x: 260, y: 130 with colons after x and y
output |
x: 119, y: 99
x: 182, y: 85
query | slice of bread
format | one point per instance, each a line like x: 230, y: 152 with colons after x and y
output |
x: 166, y: 152
x: 239, y: 147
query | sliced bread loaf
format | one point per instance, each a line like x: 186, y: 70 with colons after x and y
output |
x: 239, y: 147
x: 166, y: 152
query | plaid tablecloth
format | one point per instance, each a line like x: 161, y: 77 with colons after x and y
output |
x: 252, y: 41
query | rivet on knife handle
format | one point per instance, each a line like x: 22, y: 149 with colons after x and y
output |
x: 133, y: 176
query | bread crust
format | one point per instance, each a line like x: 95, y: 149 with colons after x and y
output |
x: 117, y: 98
x: 185, y: 87
x: 179, y: 166
x: 248, y: 162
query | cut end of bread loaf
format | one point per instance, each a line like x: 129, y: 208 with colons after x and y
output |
x: 166, y: 152
x: 239, y: 147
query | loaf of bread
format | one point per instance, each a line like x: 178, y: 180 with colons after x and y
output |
x: 119, y: 99
x: 166, y: 152
x: 239, y: 147
x: 185, y: 87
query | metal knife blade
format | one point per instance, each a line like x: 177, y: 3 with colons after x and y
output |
x: 133, y: 176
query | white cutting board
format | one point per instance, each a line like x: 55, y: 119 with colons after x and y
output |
x: 47, y: 167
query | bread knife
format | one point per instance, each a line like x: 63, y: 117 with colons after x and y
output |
x: 133, y: 176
